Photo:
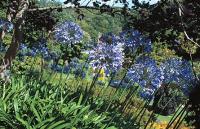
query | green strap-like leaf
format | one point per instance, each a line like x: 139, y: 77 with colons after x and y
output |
x: 44, y: 123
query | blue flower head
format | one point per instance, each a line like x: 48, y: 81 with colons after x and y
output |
x: 109, y: 38
x: 57, y: 68
x: 22, y: 46
x: 77, y: 68
x: 146, y: 74
x: 68, y: 32
x: 53, y: 55
x: 146, y: 93
x: 8, y: 26
x: 23, y: 50
x: 40, y: 49
x: 134, y: 40
x: 2, y: 48
x: 107, y: 55
x: 179, y: 72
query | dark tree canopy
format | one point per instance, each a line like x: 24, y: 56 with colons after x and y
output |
x: 193, y: 117
x: 167, y: 20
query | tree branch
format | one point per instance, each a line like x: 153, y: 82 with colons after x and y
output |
x: 60, y: 7
x: 184, y: 31
x: 17, y: 33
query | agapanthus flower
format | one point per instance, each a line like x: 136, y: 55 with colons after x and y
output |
x: 59, y: 68
x: 1, y: 23
x: 56, y: 67
x: 146, y: 74
x: 68, y: 32
x: 179, y: 72
x: 39, y: 49
x: 31, y: 52
x: 75, y: 67
x: 42, y: 50
x: 134, y: 41
x: 2, y: 48
x: 23, y: 49
x: 78, y: 68
x: 147, y: 93
x: 54, y: 55
x: 22, y: 46
x: 109, y: 38
x: 6, y: 25
x: 106, y: 55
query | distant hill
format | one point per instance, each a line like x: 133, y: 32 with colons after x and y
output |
x: 93, y: 21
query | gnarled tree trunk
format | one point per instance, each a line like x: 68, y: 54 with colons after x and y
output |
x: 17, y: 17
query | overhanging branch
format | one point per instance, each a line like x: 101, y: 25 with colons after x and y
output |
x: 60, y: 7
x: 184, y: 31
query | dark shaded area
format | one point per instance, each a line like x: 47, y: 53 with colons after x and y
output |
x: 193, y: 117
x: 166, y: 100
x: 162, y: 22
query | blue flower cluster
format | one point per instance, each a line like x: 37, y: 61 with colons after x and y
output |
x: 68, y: 32
x: 108, y: 55
x: 134, y: 40
x: 75, y: 67
x: 40, y: 49
x: 60, y: 69
x: 109, y: 38
x: 24, y: 50
x: 43, y: 50
x: 149, y: 76
x: 178, y: 71
x: 3, y: 48
x: 146, y: 74
x: 78, y: 68
x: 6, y: 25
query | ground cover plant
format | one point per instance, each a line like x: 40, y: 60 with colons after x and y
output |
x: 61, y: 75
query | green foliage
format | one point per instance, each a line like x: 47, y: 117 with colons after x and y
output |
x: 71, y: 51
x: 93, y: 23
x: 23, y: 67
x: 46, y: 3
x: 2, y: 14
x: 23, y: 105
x: 35, y: 103
x: 7, y: 39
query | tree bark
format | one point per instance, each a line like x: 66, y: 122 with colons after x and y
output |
x: 2, y: 34
x: 18, y: 20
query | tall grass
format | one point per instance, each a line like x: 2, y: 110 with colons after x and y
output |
x: 30, y: 103
x: 41, y: 98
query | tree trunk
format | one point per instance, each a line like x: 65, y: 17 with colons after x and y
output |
x: 16, y: 39
x: 18, y: 20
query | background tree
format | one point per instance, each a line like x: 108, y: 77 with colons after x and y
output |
x: 166, y: 20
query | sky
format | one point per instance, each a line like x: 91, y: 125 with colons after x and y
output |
x: 85, y: 1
